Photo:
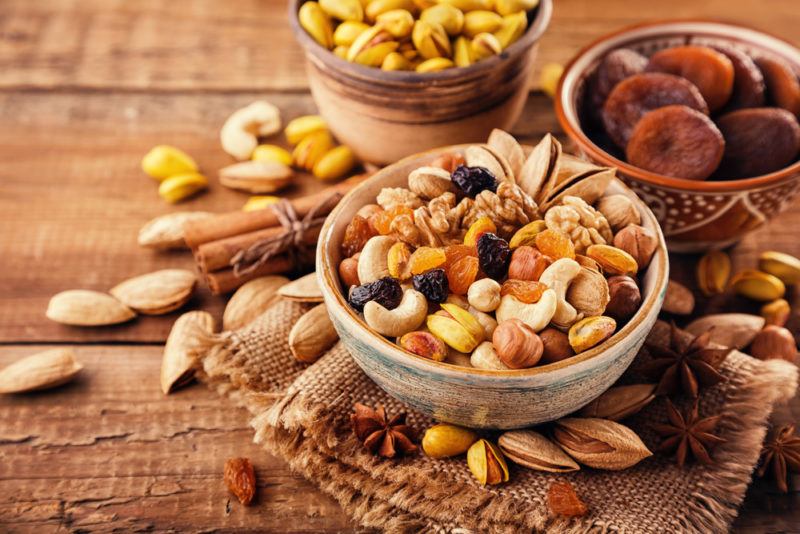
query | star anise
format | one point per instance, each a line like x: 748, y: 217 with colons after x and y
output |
x: 782, y: 453
x: 384, y: 436
x: 685, y: 364
x: 687, y: 434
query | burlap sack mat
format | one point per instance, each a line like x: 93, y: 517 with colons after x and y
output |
x: 302, y: 412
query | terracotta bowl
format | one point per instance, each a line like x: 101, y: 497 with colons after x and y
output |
x: 385, y: 116
x: 471, y: 397
x: 694, y: 215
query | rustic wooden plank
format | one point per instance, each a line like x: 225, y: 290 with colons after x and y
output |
x: 246, y: 45
x: 109, y: 451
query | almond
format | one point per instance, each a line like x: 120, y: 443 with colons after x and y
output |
x: 620, y: 402
x: 734, y: 330
x: 600, y: 443
x: 251, y: 300
x: 189, y: 336
x: 39, y: 371
x: 678, y: 299
x: 82, y: 307
x: 312, y: 335
x: 166, y: 231
x: 531, y: 449
x: 158, y: 292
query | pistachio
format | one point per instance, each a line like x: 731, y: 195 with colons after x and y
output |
x: 449, y: 17
x: 507, y: 147
x: 260, y: 202
x: 347, y: 32
x: 304, y: 289
x: 485, y: 357
x: 158, y: 292
x: 549, y: 78
x: 185, y: 345
x: 485, y: 45
x: 780, y: 265
x: 526, y: 236
x: 619, y: 211
x: 398, y: 22
x: 486, y: 462
x: 776, y: 312
x: 396, y: 61
x: 620, y: 402
x: 163, y: 161
x: 341, y: 51
x: 372, y: 46
x: 758, y: 285
x: 589, y: 292
x: 591, y: 331
x: 272, y: 153
x: 335, y: 164
x: 467, y: 5
x: 312, y: 335
x: 516, y: 344
x: 43, y: 370
x: 511, y: 29
x: 507, y: 7
x: 317, y: 23
x: 435, y: 64
x: 462, y: 52
x: 424, y: 344
x: 345, y: 10
x: 734, y: 330
x: 481, y: 21
x: 166, y: 231
x: 613, y: 260
x: 639, y: 242
x: 430, y: 39
x: 533, y: 450
x: 311, y: 149
x: 376, y: 7
x: 713, y: 271
x: 487, y: 321
x: 678, y: 299
x: 445, y: 440
x: 182, y: 186
x: 301, y: 127
x: 256, y: 176
x: 465, y: 319
x: 456, y: 327
x: 624, y: 298
x: 774, y: 342
x: 555, y: 345
x: 600, y: 443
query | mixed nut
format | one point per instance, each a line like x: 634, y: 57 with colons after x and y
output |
x: 420, y: 35
x: 507, y: 260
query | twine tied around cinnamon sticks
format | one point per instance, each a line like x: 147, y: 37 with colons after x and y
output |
x: 290, y: 241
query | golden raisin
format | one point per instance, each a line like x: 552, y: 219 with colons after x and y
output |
x: 555, y: 244
x: 562, y: 500
x: 461, y: 274
x: 382, y: 220
x: 426, y: 258
x: 477, y: 229
x: 356, y: 236
x: 527, y: 291
x: 456, y: 252
x: 240, y: 477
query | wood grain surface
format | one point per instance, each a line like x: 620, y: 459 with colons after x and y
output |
x: 86, y: 88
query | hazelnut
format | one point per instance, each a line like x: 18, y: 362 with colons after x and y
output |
x: 619, y: 210
x: 774, y: 342
x: 348, y: 272
x: 625, y: 297
x: 527, y: 263
x: 637, y: 241
x: 517, y: 344
x: 556, y: 345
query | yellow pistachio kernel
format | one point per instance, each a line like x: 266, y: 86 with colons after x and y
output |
x: 549, y: 78
x: 396, y: 61
x: 346, y: 32
x: 344, y: 10
x: 462, y: 52
x: 377, y: 7
x: 758, y: 285
x: 303, y: 126
x: 272, y: 153
x: 713, y: 271
x: 372, y: 46
x: 335, y: 164
x: 341, y: 51
x: 373, y: 56
x: 311, y: 149
x: 259, y: 202
x: 163, y: 161
x: 182, y: 186
x: 776, y: 312
x: 430, y: 39
x: 445, y: 440
x: 527, y: 234
x: 476, y: 22
x: 512, y: 29
x: 435, y: 64
x: 468, y: 5
x: 449, y: 17
x: 507, y: 7
x: 398, y: 22
x: 784, y: 266
x: 485, y: 45
x: 590, y: 331
x: 317, y: 23
x: 487, y: 463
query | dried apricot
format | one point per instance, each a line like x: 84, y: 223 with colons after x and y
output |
x: 382, y: 220
x: 461, y: 274
x: 615, y: 67
x: 456, y: 252
x: 710, y: 71
x: 426, y: 258
x: 555, y: 244
x: 676, y: 141
x: 527, y: 291
x: 477, y: 229
x: 783, y: 87
x: 562, y: 500
x: 637, y: 95
x: 356, y: 236
x: 758, y: 141
x: 748, y: 82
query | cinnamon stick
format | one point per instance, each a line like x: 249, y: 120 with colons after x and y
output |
x: 236, y: 223
x: 224, y: 281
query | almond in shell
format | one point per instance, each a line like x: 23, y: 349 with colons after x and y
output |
x: 312, y: 335
x: 158, y: 292
x: 533, y: 450
x: 620, y: 402
x: 43, y: 370
x: 600, y: 443
x: 166, y: 231
x: 304, y: 289
x: 190, y: 336
x: 251, y: 300
x: 734, y: 330
x: 82, y: 307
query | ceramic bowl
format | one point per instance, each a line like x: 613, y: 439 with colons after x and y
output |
x: 471, y: 397
x: 694, y: 215
x: 385, y: 116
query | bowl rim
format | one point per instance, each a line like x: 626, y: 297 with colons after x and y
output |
x: 576, y: 133
x: 533, y: 33
x: 329, y: 285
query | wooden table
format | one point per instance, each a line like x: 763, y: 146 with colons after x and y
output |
x: 86, y: 88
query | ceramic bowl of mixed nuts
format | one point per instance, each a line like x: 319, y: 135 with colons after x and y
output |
x: 699, y: 117
x: 492, y: 285
x: 395, y: 77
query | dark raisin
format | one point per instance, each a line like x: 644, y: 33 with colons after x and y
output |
x: 494, y: 255
x: 432, y: 284
x: 473, y: 180
x: 386, y: 292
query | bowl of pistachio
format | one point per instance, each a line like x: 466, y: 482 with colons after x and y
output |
x: 396, y: 77
x: 493, y: 285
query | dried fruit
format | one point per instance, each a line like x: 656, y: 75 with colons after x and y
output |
x: 616, y: 66
x: 424, y: 344
x: 426, y: 258
x: 638, y: 241
x: 526, y: 236
x: 158, y: 292
x: 81, y: 307
x: 487, y: 463
x: 784, y: 266
x: 385, y: 291
x: 527, y: 291
x: 556, y: 345
x: 554, y: 244
x: 483, y: 225
x: 240, y: 477
x: 527, y: 263
x: 709, y: 70
x: 748, y: 82
x: 625, y: 298
x: 678, y: 299
x: 776, y: 312
x: 445, y: 440
x: 381, y: 434
x: 713, y: 271
x: 781, y: 455
x: 398, y: 261
x: 312, y: 335
x: 686, y: 433
x: 432, y: 284
x: 620, y: 402
x: 758, y: 141
x: 516, y: 344
x: 676, y: 141
x: 534, y: 451
x: 494, y: 255
x: 356, y: 235
x: 473, y: 180
x: 734, y: 330
x: 782, y: 84
x: 562, y: 500
x: 163, y: 161
x: 774, y: 342
x: 251, y: 300
x: 600, y: 443
x: 758, y: 285
x: 382, y: 220
x: 590, y: 332
x: 638, y: 94
x: 613, y: 260
x: 461, y: 274
x: 43, y: 370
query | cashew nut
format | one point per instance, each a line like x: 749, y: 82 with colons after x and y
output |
x: 402, y: 319
x: 487, y: 321
x: 373, y: 262
x: 484, y: 295
x: 485, y: 357
x: 239, y: 134
x: 536, y: 315
x: 558, y: 276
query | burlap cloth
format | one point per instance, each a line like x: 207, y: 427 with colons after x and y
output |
x: 302, y: 413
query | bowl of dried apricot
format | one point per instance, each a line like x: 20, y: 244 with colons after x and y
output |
x: 493, y: 285
x: 700, y: 119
